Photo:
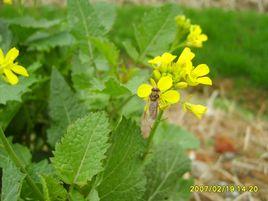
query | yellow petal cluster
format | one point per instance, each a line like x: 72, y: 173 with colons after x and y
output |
x: 188, y: 34
x: 9, y: 68
x: 172, y: 73
x: 195, y: 37
x: 167, y: 96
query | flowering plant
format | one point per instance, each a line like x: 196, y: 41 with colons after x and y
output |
x: 75, y: 106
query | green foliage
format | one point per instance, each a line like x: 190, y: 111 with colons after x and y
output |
x: 85, y: 138
x: 11, y: 182
x: 123, y: 177
x: 155, y: 33
x: 14, y: 93
x: 64, y: 106
x: 43, y: 41
x: 80, y: 88
x: 52, y: 189
x: 166, y: 167
x: 172, y: 133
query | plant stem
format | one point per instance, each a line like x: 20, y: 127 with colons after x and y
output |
x: 152, y: 133
x: 11, y: 153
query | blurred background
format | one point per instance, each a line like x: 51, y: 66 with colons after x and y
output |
x: 234, y: 133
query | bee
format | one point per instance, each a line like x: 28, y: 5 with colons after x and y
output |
x: 153, y: 103
x: 150, y: 113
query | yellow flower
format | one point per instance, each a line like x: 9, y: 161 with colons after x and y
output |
x: 197, y: 110
x: 167, y: 96
x: 184, y: 64
x: 196, y: 76
x: 183, y: 22
x: 195, y: 37
x: 8, y: 68
x: 162, y: 62
x: 7, y: 2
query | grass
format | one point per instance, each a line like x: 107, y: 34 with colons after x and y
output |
x: 237, y: 45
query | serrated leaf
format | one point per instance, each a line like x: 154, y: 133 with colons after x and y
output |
x: 13, y: 93
x: 83, y: 19
x: 107, y: 49
x: 114, y: 88
x: 173, y: 133
x: 53, y: 189
x: 64, y: 107
x: 123, y: 177
x: 78, y: 157
x: 167, y: 165
x: 30, y: 22
x: 43, y: 41
x: 11, y: 182
x: 156, y: 31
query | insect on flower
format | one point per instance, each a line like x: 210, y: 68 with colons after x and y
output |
x: 158, y: 95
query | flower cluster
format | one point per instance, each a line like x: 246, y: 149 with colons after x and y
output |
x: 191, y: 32
x: 8, y: 68
x: 173, y: 74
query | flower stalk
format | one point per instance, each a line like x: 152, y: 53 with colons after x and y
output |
x: 152, y: 133
x: 13, y: 156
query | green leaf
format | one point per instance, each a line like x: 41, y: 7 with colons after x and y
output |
x: 131, y: 50
x: 123, y: 177
x: 76, y: 196
x: 43, y: 41
x: 114, y: 88
x: 156, y: 31
x: 176, y: 134
x: 107, y: 49
x: 106, y: 14
x: 64, y: 107
x: 30, y: 22
x: 53, y: 189
x: 13, y: 93
x: 167, y: 165
x: 11, y: 182
x: 22, y: 152
x: 5, y: 36
x: 84, y: 19
x: 79, y: 155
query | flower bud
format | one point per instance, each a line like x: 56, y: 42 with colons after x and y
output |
x: 156, y: 74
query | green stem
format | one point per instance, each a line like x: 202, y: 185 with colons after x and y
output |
x: 152, y: 132
x: 11, y: 153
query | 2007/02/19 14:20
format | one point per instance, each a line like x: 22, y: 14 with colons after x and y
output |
x: 224, y: 188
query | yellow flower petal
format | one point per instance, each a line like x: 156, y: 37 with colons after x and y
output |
x: 197, y: 110
x: 2, y: 57
x: 201, y: 70
x: 144, y: 90
x: 164, y: 83
x: 203, y: 37
x: 171, y: 96
x: 7, y: 2
x: 204, y: 80
x: 167, y: 58
x: 153, y: 83
x: 186, y: 56
x: 11, y: 77
x: 181, y: 85
x: 155, y: 60
x: 12, y: 54
x: 19, y: 70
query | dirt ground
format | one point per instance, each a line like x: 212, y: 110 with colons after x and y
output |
x: 234, y: 145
